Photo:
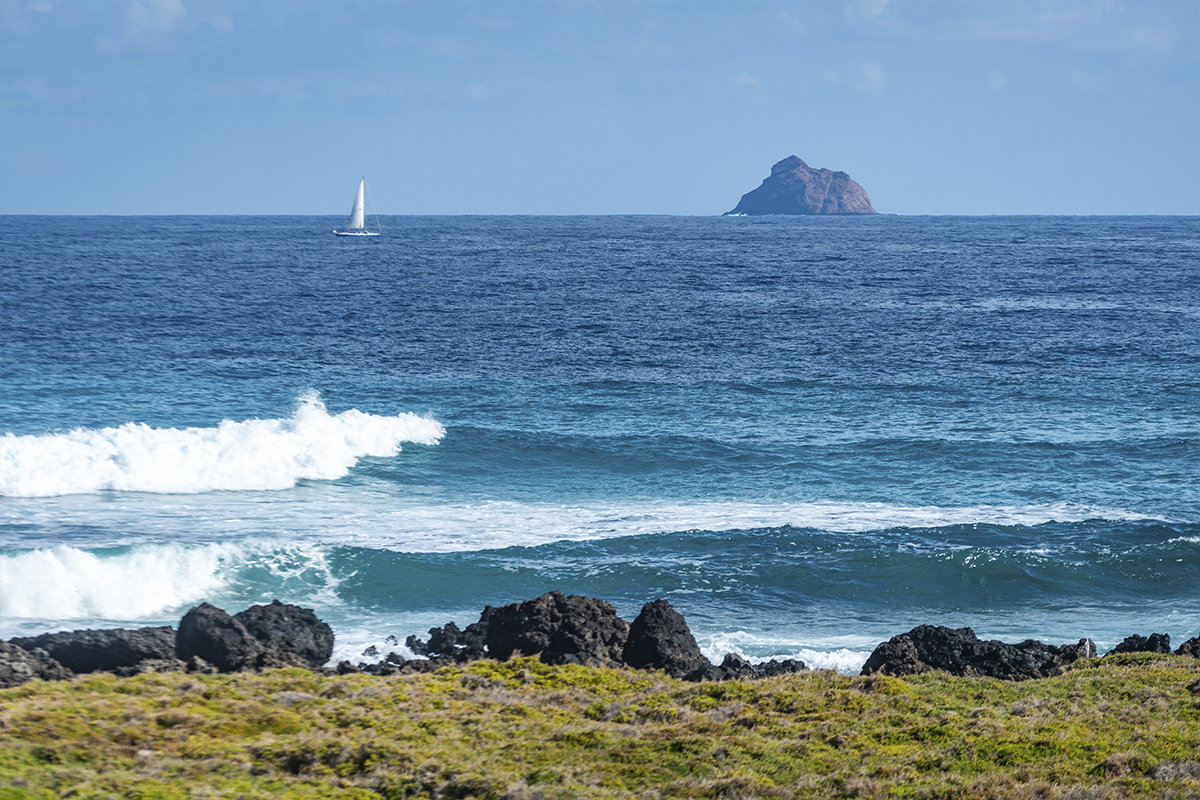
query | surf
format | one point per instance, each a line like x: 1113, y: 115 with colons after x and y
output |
x: 248, y: 455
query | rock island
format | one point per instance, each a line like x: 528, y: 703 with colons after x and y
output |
x: 794, y: 187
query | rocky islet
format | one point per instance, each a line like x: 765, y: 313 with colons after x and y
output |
x: 795, y: 189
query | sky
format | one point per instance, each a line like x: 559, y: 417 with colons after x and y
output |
x: 639, y: 107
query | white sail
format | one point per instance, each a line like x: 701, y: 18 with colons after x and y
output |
x: 357, y: 213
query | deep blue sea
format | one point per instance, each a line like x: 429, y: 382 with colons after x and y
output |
x: 809, y: 434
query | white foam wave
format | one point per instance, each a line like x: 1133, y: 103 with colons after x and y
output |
x: 270, y: 454
x: 65, y: 583
x: 426, y: 522
x: 817, y: 653
x: 150, y: 582
x: 455, y: 526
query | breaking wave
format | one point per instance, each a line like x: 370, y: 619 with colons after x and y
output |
x: 269, y: 454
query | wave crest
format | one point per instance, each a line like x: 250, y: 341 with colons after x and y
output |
x: 252, y: 455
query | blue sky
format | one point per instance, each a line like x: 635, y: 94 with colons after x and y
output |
x: 659, y: 107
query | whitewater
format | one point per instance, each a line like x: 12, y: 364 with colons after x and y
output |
x: 808, y: 434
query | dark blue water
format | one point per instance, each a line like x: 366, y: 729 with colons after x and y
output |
x: 809, y: 434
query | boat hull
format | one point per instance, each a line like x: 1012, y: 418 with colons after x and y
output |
x: 355, y: 233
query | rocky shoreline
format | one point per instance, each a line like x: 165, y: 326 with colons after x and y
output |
x: 558, y: 628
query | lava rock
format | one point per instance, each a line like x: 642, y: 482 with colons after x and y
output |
x: 208, y: 633
x: 736, y: 668
x: 1154, y: 643
x: 660, y: 639
x: 559, y: 629
x: 18, y: 666
x: 787, y: 666
x: 793, y: 188
x: 289, y: 635
x: 105, y: 650
x: 958, y: 651
x: 1189, y: 648
x: 450, y: 642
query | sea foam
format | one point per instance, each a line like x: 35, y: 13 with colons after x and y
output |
x: 68, y: 583
x: 157, y: 582
x: 269, y: 454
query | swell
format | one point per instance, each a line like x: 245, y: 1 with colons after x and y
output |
x: 750, y: 580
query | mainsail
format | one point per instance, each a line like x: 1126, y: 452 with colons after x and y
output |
x: 357, y: 214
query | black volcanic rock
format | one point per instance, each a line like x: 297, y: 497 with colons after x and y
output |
x: 660, y: 639
x: 1191, y: 647
x: 795, y: 188
x: 108, y: 650
x: 290, y: 634
x: 449, y: 642
x: 958, y: 651
x: 18, y: 665
x: 560, y: 629
x: 1154, y: 643
x: 208, y: 633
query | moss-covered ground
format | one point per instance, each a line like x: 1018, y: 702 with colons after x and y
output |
x: 1125, y: 726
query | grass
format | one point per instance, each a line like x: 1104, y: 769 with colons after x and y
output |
x: 1124, y: 726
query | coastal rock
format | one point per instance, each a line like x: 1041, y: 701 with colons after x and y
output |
x: 18, y: 666
x: 1189, y: 648
x: 208, y: 633
x: 794, y: 188
x: 457, y: 645
x: 289, y: 634
x: 958, y: 651
x: 660, y: 639
x: 736, y: 668
x: 786, y: 666
x: 104, y: 650
x: 560, y: 629
x: 1154, y: 643
x: 733, y: 667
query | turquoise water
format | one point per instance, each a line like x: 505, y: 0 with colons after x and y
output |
x: 810, y: 434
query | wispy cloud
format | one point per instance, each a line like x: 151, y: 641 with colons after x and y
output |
x: 865, y: 77
x: 865, y: 10
x: 147, y: 23
x: 789, y: 25
x: 1084, y: 24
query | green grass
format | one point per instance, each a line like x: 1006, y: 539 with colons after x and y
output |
x: 522, y: 729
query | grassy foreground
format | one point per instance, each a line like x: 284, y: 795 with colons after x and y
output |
x: 1124, y: 726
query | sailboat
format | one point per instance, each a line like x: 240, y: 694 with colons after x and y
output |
x: 358, y: 224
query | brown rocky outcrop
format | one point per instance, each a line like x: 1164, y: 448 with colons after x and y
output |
x: 795, y: 188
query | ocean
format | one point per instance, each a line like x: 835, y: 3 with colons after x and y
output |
x: 809, y: 434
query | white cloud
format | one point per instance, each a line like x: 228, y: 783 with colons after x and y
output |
x: 749, y: 87
x: 866, y: 77
x: 147, y: 23
x: 864, y: 10
x: 744, y: 80
x: 1084, y: 24
x: 790, y: 26
x: 41, y: 6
